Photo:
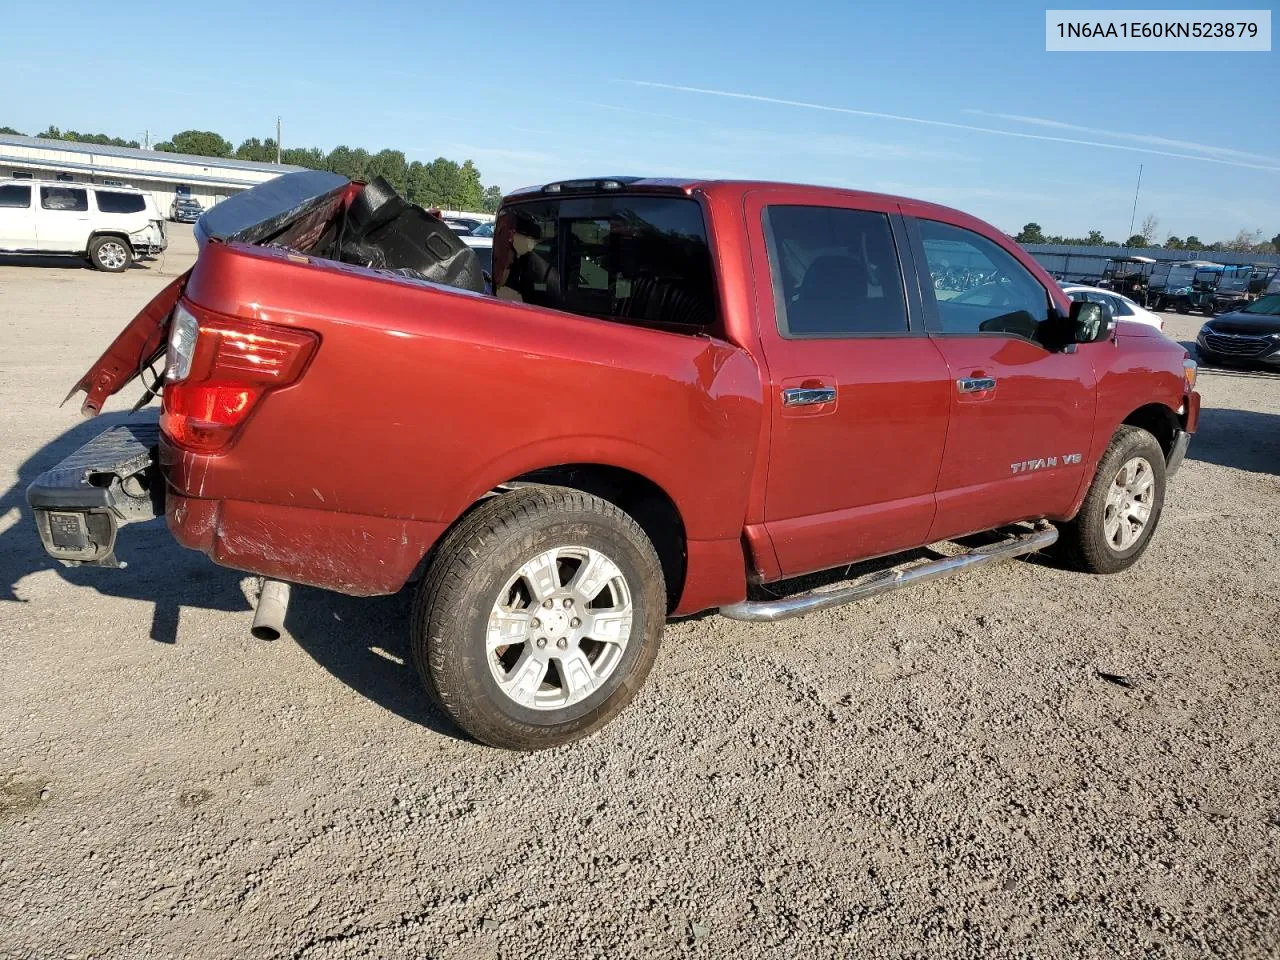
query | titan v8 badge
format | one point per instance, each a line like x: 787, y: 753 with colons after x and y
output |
x: 1045, y: 463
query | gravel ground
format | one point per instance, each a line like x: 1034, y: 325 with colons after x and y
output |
x: 1016, y: 762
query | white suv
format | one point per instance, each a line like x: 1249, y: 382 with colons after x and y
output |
x: 112, y: 226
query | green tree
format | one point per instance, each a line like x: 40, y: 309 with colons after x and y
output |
x: 470, y: 189
x: 53, y: 133
x: 1137, y: 240
x: 1173, y: 242
x: 1193, y: 243
x: 309, y: 157
x: 352, y: 164
x: 391, y: 166
x: 492, y: 199
x: 1031, y: 233
x: 199, y: 143
x: 10, y: 130
x: 1275, y: 243
x: 1095, y: 238
x: 258, y: 151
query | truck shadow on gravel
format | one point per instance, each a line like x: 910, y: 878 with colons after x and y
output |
x: 363, y: 642
x: 1243, y: 439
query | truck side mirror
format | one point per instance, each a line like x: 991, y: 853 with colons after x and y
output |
x: 1090, y: 322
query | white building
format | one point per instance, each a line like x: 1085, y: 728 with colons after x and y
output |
x: 163, y: 175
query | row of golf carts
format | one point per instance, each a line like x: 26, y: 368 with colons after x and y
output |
x: 1188, y: 286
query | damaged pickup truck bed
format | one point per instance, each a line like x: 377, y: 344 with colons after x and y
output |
x: 667, y: 392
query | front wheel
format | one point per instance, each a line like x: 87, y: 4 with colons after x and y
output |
x: 1122, y: 508
x: 110, y: 254
x: 539, y: 617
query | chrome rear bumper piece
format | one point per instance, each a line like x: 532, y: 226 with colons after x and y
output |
x: 81, y: 503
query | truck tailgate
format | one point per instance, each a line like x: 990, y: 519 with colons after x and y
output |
x: 137, y: 346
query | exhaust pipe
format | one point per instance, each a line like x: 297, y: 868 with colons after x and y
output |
x: 273, y: 603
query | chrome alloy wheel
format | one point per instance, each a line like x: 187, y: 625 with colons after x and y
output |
x: 112, y: 255
x: 1128, y: 505
x: 559, y: 628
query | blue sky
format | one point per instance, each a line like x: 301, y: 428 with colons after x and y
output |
x: 952, y: 102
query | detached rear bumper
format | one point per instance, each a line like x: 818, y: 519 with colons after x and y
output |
x: 81, y: 503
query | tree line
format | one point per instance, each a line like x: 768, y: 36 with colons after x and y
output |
x: 440, y: 182
x: 1245, y: 241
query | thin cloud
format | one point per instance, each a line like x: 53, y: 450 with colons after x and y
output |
x: 947, y: 124
x: 1146, y: 138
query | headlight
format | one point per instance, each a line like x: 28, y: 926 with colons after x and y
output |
x: 183, y: 331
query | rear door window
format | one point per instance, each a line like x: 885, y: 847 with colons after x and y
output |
x: 835, y: 272
x: 115, y: 201
x: 638, y: 259
x: 12, y: 195
x: 70, y: 199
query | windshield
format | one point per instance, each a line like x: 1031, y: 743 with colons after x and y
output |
x: 641, y: 259
x: 484, y: 230
x: 1269, y: 305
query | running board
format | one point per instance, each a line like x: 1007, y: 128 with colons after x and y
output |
x: 767, y: 611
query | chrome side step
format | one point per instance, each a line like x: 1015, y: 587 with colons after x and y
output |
x: 886, y: 580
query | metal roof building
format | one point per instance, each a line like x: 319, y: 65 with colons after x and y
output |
x: 164, y: 175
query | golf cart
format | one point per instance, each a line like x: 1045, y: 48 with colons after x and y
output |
x: 1127, y: 276
x: 1171, y: 284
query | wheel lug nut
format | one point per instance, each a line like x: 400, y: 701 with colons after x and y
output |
x: 535, y: 623
x: 542, y: 642
x: 547, y: 604
x: 568, y: 602
x: 575, y: 623
x: 562, y: 643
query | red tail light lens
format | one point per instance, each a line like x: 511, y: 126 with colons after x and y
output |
x: 235, y: 363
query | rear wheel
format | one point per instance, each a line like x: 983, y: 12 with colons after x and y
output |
x: 539, y: 617
x: 1122, y: 508
x: 110, y: 254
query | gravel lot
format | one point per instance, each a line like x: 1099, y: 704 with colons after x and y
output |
x: 1020, y: 761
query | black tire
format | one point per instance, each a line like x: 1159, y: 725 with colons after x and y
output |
x: 1183, y: 307
x: 472, y: 568
x: 1083, y: 543
x: 112, y: 254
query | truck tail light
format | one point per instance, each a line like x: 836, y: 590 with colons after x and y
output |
x: 219, y: 369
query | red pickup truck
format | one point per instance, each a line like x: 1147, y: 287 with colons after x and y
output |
x: 668, y: 393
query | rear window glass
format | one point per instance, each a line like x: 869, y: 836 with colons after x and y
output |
x: 11, y: 196
x: 64, y: 198
x: 112, y: 201
x: 634, y: 259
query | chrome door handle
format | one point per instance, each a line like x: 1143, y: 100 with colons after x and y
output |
x: 807, y: 396
x: 976, y: 384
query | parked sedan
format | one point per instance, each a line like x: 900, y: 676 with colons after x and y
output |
x: 1121, y: 307
x: 1250, y: 335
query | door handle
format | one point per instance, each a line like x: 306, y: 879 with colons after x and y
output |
x: 807, y: 396
x: 976, y: 384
